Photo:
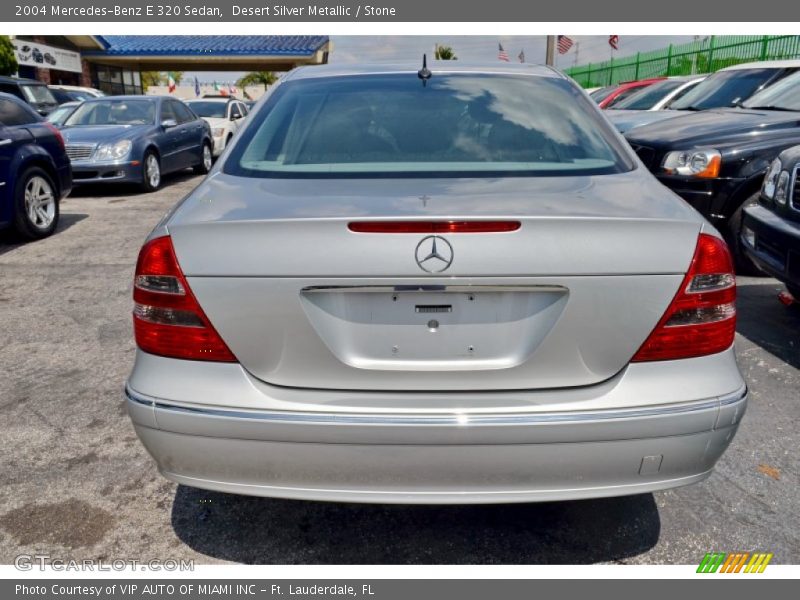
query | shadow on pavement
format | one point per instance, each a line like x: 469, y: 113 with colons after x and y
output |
x: 270, y: 531
x: 9, y: 240
x: 104, y: 191
x: 767, y: 323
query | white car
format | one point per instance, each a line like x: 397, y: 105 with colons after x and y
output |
x: 224, y: 115
x: 81, y: 90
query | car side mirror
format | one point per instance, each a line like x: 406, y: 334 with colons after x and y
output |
x: 235, y: 117
x: 169, y: 123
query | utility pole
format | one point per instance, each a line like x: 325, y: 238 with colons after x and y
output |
x: 550, y: 54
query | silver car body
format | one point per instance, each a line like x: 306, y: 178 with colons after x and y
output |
x: 624, y: 119
x: 523, y: 391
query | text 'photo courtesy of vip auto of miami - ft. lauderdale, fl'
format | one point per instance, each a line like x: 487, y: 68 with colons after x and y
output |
x: 399, y: 284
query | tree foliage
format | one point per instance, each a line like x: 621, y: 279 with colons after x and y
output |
x: 265, y: 78
x: 445, y: 53
x: 8, y: 61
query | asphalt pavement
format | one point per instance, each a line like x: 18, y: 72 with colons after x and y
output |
x: 76, y: 483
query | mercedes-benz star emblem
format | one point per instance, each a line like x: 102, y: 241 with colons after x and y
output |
x: 434, y: 254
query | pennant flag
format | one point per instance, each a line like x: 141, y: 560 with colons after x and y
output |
x: 521, y: 56
x: 613, y: 41
x: 196, y: 87
x: 171, y: 85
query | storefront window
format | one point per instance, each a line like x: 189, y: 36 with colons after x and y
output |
x: 116, y: 81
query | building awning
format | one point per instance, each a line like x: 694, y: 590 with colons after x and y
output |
x: 208, y: 52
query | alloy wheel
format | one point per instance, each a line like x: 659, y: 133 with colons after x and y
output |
x: 40, y: 202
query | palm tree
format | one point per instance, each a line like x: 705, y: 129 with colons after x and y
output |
x: 265, y: 78
x: 445, y: 53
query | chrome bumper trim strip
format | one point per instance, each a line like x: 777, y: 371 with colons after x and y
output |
x: 462, y: 420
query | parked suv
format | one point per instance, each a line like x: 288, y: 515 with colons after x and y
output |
x: 223, y: 116
x: 727, y: 87
x: 34, y: 170
x: 30, y: 91
x: 771, y: 229
x: 716, y: 159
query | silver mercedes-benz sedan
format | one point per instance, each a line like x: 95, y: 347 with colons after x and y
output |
x: 453, y: 284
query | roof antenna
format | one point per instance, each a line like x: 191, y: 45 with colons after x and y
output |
x: 424, y: 73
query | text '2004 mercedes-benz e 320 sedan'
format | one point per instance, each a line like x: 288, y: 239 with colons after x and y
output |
x: 433, y: 286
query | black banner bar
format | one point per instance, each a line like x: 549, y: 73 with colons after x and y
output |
x: 444, y: 11
x: 728, y: 587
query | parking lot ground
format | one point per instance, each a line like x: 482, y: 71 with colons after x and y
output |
x: 76, y: 483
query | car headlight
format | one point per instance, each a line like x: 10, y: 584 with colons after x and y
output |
x: 217, y: 131
x: 113, y: 151
x: 693, y: 163
x: 782, y: 188
x: 771, y: 179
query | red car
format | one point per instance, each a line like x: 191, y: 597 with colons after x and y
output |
x: 609, y: 96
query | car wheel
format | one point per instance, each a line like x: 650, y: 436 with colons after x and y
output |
x: 744, y: 266
x: 36, y: 204
x: 208, y: 159
x: 151, y: 172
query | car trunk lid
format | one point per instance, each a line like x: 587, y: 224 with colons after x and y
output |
x: 563, y: 300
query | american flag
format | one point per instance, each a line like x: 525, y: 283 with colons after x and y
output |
x: 501, y: 53
x: 564, y: 44
x: 613, y: 41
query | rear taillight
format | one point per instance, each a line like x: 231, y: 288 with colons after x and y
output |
x: 56, y: 133
x: 701, y: 319
x: 167, y: 320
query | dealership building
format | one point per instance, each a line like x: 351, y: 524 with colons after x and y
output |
x: 113, y: 63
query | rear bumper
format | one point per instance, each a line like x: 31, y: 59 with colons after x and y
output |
x: 777, y: 244
x: 65, y: 180
x: 445, y: 457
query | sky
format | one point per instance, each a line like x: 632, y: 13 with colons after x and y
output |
x: 369, y: 48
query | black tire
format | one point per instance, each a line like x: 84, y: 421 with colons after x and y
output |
x: 26, y: 226
x: 150, y: 183
x: 206, y: 162
x: 743, y: 264
x: 794, y: 291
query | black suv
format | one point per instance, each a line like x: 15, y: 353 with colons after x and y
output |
x: 716, y: 159
x: 771, y: 229
x: 31, y: 92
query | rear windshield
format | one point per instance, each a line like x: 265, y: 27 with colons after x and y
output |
x: 725, y: 88
x: 37, y: 94
x: 648, y: 97
x: 603, y: 93
x: 456, y: 125
x: 212, y: 110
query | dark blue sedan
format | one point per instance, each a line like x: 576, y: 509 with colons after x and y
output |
x: 34, y: 170
x: 135, y: 139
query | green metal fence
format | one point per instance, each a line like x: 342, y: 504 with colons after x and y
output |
x: 704, y: 55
